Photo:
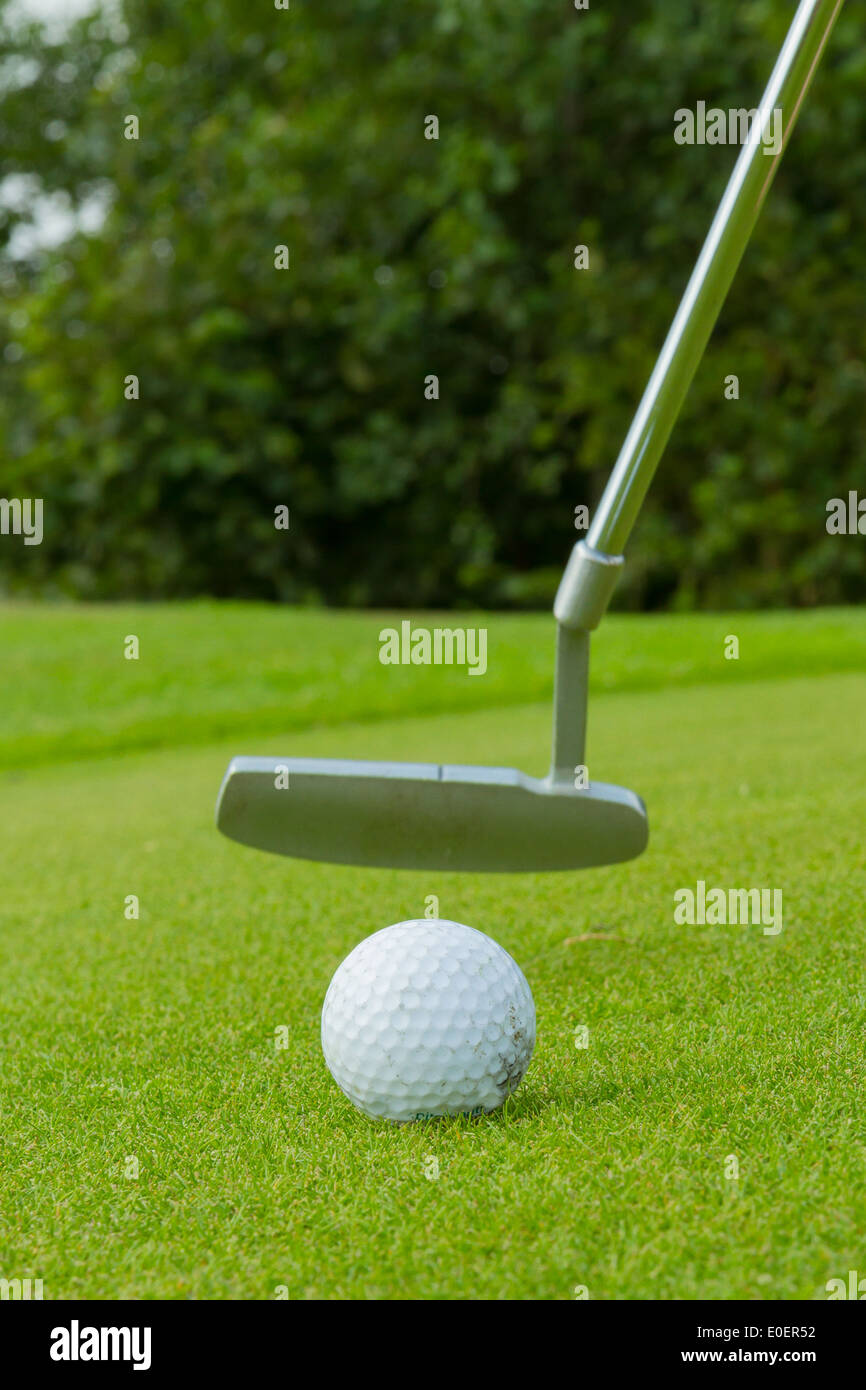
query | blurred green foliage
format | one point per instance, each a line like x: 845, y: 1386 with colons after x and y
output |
x: 410, y: 257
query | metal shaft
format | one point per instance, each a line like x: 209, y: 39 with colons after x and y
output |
x: 711, y: 280
x: 593, y: 566
x: 569, y: 703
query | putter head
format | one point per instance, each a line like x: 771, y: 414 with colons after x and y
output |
x: 426, y: 816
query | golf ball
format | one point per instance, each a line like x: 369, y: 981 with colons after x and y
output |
x: 428, y: 1018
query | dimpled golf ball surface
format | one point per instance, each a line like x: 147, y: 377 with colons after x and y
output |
x: 428, y: 1018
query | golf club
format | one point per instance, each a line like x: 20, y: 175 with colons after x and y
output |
x: 427, y: 816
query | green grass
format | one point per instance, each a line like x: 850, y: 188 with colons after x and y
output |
x: 155, y: 1039
x: 209, y: 671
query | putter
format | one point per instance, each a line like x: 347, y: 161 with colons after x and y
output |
x: 427, y: 816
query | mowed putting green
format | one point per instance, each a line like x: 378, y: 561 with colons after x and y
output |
x: 169, y: 1127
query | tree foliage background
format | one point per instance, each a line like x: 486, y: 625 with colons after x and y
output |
x: 409, y: 257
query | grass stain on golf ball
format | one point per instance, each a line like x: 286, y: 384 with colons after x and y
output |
x: 428, y: 1018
